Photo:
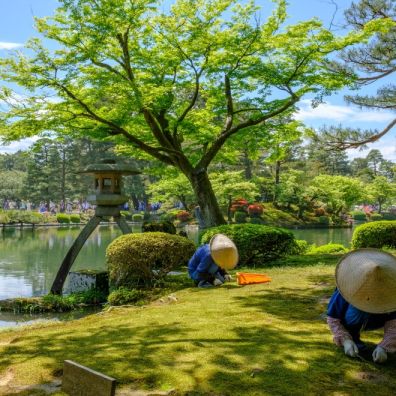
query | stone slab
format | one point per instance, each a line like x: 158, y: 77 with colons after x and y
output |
x: 79, y: 380
x: 84, y: 280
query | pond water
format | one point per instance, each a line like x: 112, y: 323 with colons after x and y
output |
x: 29, y: 259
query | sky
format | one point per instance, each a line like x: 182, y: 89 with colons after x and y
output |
x: 17, y: 26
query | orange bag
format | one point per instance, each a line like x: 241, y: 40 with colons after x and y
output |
x: 246, y: 278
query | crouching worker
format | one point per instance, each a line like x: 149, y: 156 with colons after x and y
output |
x: 365, y: 299
x: 209, y: 264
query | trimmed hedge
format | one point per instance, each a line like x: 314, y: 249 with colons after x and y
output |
x: 137, y: 260
x: 75, y: 218
x: 359, y: 216
x: 63, y: 218
x: 330, y: 248
x: 376, y: 234
x: 376, y: 217
x: 257, y: 244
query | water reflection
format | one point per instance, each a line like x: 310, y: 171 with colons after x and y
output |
x: 30, y: 259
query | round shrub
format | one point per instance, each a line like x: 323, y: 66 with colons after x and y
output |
x: 4, y: 219
x: 75, y: 218
x: 183, y: 216
x: 137, y: 260
x: 257, y: 244
x: 375, y: 234
x: 389, y: 216
x: 255, y: 210
x: 63, y: 218
x: 359, y: 216
x: 301, y: 247
x: 161, y: 226
x: 137, y: 217
x: 124, y: 296
x: 324, y: 220
x: 330, y: 248
x: 240, y: 217
x: 376, y: 217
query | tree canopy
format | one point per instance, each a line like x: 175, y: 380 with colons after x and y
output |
x: 176, y: 84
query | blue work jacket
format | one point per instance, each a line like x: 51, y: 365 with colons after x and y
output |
x: 352, y: 317
x: 201, y: 263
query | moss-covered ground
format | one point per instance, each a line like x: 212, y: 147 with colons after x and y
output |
x: 266, y: 339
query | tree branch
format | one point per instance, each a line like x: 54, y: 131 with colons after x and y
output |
x: 225, y: 134
x: 343, y: 145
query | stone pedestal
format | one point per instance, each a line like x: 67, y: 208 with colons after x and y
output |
x: 84, y: 280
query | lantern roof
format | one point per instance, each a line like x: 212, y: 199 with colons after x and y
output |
x: 110, y: 166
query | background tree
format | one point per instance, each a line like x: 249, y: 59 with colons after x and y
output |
x: 381, y: 191
x: 338, y: 193
x: 173, y: 85
x: 373, y: 62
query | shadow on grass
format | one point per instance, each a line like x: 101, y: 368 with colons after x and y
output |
x: 273, y: 341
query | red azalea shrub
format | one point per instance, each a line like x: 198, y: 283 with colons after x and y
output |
x: 239, y: 205
x: 255, y: 209
x: 183, y: 216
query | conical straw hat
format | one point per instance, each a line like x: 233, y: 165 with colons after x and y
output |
x: 223, y: 251
x: 366, y: 278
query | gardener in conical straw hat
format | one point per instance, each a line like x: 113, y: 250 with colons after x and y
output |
x: 365, y: 299
x: 209, y: 264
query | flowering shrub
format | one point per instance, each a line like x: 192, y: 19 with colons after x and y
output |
x: 255, y: 209
x: 239, y: 205
x: 183, y: 216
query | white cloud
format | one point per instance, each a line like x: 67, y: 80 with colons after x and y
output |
x: 337, y: 113
x: 8, y: 46
x: 387, y: 149
x: 19, y: 145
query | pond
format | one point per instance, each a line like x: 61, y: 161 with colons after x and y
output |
x: 29, y: 259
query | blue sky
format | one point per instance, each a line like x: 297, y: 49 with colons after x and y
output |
x: 17, y: 26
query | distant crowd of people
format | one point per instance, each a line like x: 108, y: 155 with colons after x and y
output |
x: 68, y: 206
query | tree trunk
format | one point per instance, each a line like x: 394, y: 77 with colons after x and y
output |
x: 247, y: 164
x: 206, y: 199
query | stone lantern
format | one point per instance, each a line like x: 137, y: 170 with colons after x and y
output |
x: 107, y: 197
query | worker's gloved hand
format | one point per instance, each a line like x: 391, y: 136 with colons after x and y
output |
x: 217, y: 282
x: 350, y: 348
x: 228, y: 278
x: 380, y: 355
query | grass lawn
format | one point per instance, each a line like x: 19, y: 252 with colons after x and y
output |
x: 268, y: 339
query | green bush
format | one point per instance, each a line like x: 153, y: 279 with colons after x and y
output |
x: 324, y: 220
x: 257, y: 244
x: 255, y: 220
x: 161, y: 226
x: 240, y: 217
x: 137, y: 217
x: 144, y: 259
x: 4, y: 218
x: 375, y: 234
x: 124, y: 296
x: 376, y: 217
x: 301, y: 247
x: 389, y: 216
x: 329, y: 248
x: 75, y: 218
x: 63, y: 218
x: 359, y: 216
